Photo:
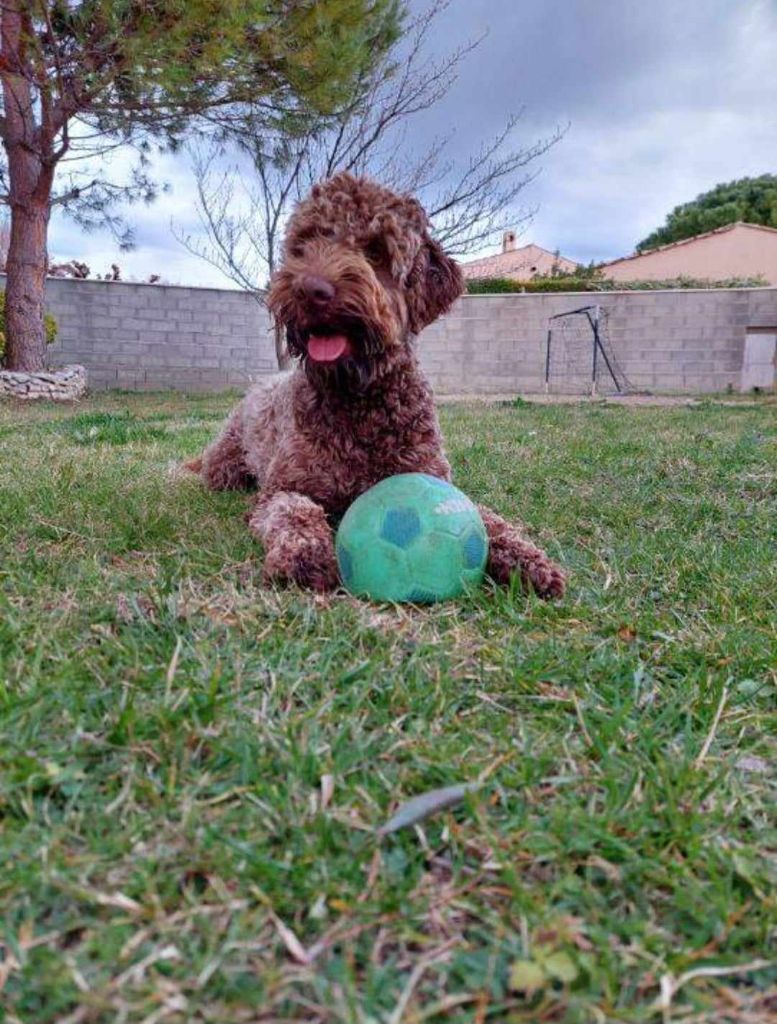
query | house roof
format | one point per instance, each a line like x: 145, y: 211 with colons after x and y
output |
x: 511, y: 261
x: 693, y: 238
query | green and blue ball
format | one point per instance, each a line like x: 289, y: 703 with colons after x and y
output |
x: 412, y: 537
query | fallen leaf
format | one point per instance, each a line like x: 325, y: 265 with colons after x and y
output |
x: 627, y: 634
x: 123, y: 610
x: 426, y: 804
x: 526, y: 976
x: 750, y: 763
x: 146, y: 607
x: 102, y: 629
x: 560, y: 966
x: 327, y: 790
x: 748, y: 687
x: 319, y: 910
x: 118, y: 900
x: 291, y: 942
x: 612, y: 871
x: 553, y: 692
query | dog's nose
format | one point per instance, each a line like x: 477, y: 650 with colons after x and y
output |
x: 317, y: 289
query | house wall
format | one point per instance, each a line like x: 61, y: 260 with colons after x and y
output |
x: 200, y: 339
x: 740, y: 252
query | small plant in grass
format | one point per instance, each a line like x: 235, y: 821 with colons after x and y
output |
x: 517, y: 403
x: 113, y: 428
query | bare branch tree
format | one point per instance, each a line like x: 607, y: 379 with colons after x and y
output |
x: 478, y: 203
x: 242, y: 205
x: 242, y: 222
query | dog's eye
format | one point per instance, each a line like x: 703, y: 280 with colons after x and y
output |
x: 375, y: 250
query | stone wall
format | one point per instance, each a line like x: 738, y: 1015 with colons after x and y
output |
x: 201, y: 339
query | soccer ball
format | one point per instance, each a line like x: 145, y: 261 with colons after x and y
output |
x: 414, y: 538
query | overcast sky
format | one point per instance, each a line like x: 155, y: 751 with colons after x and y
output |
x: 664, y: 99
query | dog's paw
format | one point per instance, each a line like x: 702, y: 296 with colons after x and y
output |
x: 548, y: 579
x: 310, y: 566
x: 535, y: 569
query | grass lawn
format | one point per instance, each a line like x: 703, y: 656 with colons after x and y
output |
x: 192, y: 768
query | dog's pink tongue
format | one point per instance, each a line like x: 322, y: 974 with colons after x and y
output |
x: 327, y: 348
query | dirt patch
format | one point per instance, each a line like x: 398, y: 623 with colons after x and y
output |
x: 540, y: 399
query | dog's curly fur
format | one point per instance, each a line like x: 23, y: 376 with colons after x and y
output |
x: 313, y: 440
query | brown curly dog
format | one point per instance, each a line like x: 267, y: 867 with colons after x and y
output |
x: 361, y: 276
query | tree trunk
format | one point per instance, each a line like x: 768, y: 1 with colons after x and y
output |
x: 31, y: 162
x: 282, y: 356
x: 281, y: 352
x: 25, y: 283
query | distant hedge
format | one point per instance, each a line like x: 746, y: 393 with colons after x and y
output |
x: 499, y: 285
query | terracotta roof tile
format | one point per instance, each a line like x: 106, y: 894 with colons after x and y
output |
x: 513, y: 262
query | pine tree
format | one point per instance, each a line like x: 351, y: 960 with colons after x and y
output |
x: 81, y: 78
x: 753, y: 200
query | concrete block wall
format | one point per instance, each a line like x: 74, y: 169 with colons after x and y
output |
x: 684, y: 340
x: 206, y: 339
x: 761, y: 308
x: 152, y: 337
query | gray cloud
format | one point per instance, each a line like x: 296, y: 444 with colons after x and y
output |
x: 663, y: 99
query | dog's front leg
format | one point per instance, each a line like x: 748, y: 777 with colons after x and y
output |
x: 298, y: 541
x: 509, y: 552
x: 222, y: 465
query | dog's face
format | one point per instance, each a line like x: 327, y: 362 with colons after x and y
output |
x: 360, y: 275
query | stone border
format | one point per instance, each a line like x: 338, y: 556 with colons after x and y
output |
x: 65, y: 385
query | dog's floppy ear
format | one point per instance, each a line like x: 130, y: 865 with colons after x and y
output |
x: 434, y: 285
